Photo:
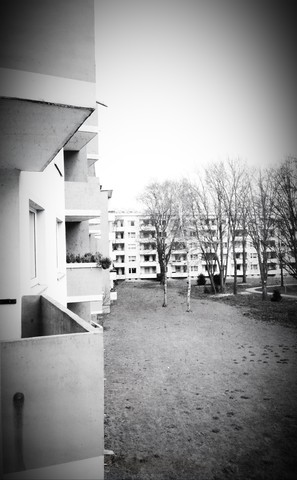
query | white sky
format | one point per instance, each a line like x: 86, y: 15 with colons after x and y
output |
x: 191, y: 81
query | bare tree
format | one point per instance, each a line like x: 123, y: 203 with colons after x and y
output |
x: 231, y: 180
x: 260, y: 221
x: 187, y: 231
x: 285, y: 212
x: 201, y: 218
x: 215, y: 178
x: 160, y: 202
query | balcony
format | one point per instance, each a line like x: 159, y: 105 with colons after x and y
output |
x: 118, y: 247
x: 46, y: 92
x: 82, y: 200
x: 84, y: 282
x: 148, y: 251
x: 81, y: 138
x: 148, y: 263
x: 49, y: 376
x: 147, y: 275
x: 147, y: 228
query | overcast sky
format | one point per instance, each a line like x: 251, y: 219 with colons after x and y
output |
x: 191, y: 81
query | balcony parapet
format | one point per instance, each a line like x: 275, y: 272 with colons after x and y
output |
x: 82, y: 199
x: 47, y: 369
x: 84, y: 282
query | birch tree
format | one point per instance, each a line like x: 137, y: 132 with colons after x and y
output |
x: 285, y: 212
x: 260, y: 221
x: 201, y: 218
x: 231, y: 178
x: 186, y: 229
x: 215, y: 177
x: 161, y: 206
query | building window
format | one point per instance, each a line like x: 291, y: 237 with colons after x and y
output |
x: 132, y: 270
x: 131, y: 234
x: 33, y: 243
x: 132, y: 259
x: 131, y: 246
x: 132, y: 223
x: 59, y: 242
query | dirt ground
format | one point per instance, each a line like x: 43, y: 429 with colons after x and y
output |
x: 210, y: 394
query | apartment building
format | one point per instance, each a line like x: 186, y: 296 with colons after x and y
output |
x: 134, y: 252
x: 52, y: 386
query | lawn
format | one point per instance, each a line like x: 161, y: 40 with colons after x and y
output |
x: 205, y: 395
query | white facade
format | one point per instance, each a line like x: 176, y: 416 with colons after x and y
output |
x: 51, y: 359
x: 135, y: 257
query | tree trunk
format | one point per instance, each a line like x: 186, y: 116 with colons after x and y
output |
x: 244, y: 260
x: 189, y: 283
x: 165, y: 288
x: 264, y: 290
x: 235, y: 272
x: 281, y: 271
x: 222, y: 283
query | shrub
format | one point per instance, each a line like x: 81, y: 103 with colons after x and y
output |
x: 105, y: 262
x: 201, y: 280
x: 217, y: 279
x: 276, y: 296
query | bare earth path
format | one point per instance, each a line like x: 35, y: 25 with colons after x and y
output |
x: 204, y: 395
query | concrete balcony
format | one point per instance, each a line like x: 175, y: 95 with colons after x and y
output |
x: 84, y: 282
x: 147, y: 228
x: 178, y: 262
x: 179, y: 274
x: 118, y: 264
x: 147, y: 275
x: 82, y: 200
x: 52, y: 400
x: 47, y: 91
x: 147, y: 239
x: 119, y: 240
x: 147, y: 251
x: 81, y: 138
x: 149, y: 263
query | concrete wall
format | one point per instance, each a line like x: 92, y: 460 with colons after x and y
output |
x: 46, y: 191
x: 104, y: 224
x: 42, y: 316
x: 83, y: 195
x: 61, y: 419
x: 75, y: 165
x: 19, y: 190
x: 10, y: 254
x: 49, y: 37
x: 77, y: 237
x: 82, y: 309
x: 84, y: 279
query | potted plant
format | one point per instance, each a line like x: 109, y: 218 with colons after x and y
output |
x: 105, y: 262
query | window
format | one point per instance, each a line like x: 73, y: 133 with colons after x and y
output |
x: 132, y: 259
x: 131, y: 246
x: 194, y: 268
x: 59, y: 242
x: 132, y: 270
x: 36, y: 242
x: 33, y: 243
x: 131, y: 234
x: 132, y: 223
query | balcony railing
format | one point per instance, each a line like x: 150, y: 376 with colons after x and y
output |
x: 51, y: 399
x: 84, y: 282
x: 82, y: 199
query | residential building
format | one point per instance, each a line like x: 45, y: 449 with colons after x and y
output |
x: 52, y: 385
x: 135, y: 257
x: 134, y: 251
